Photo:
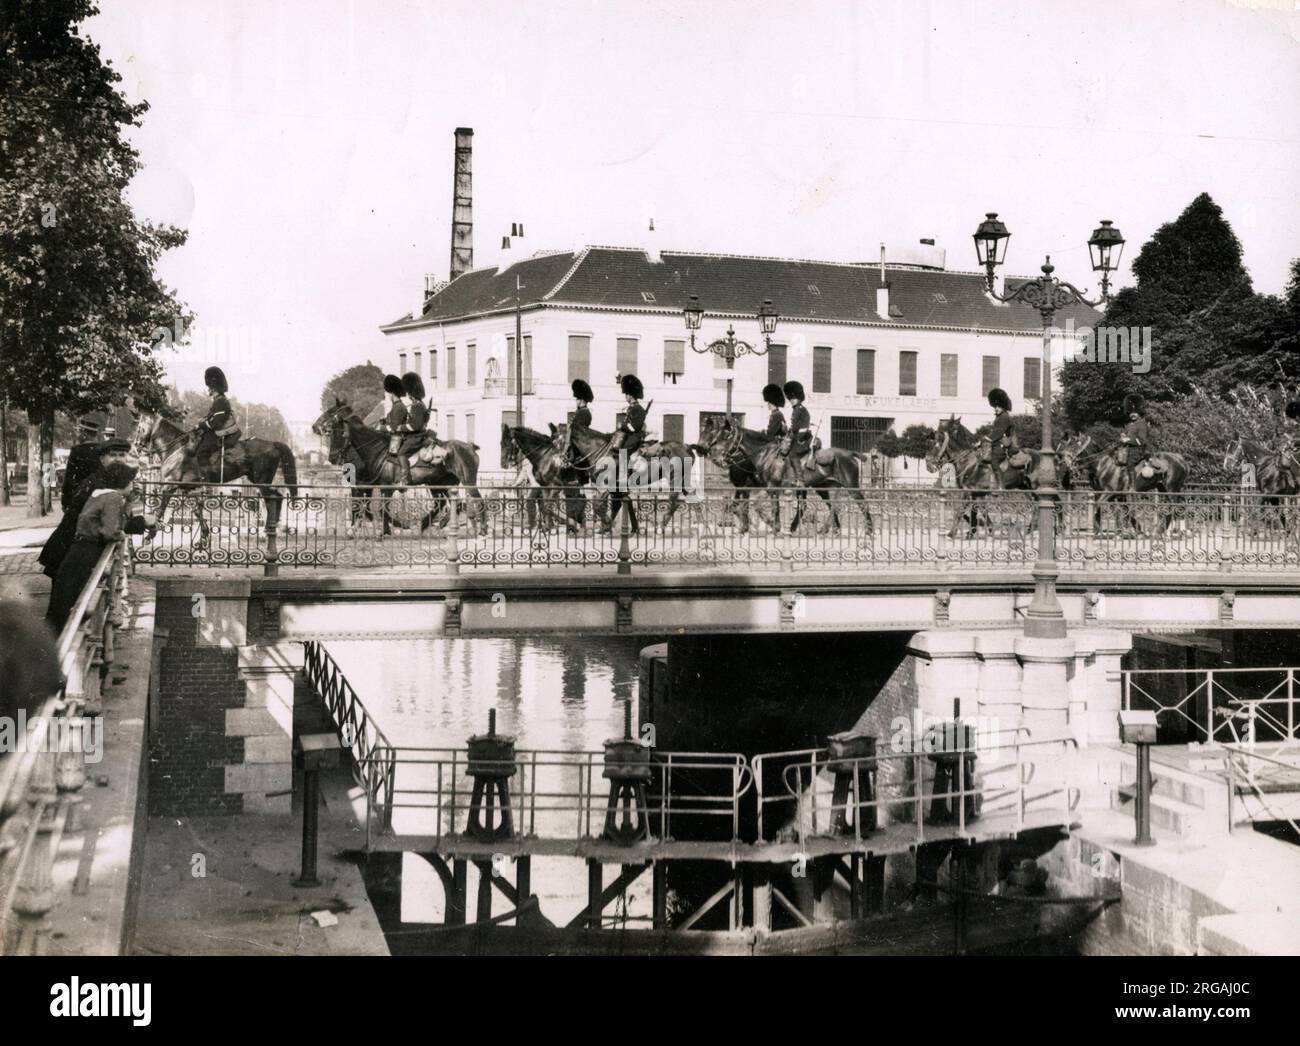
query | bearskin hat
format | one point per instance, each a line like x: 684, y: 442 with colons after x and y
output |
x: 582, y: 391
x: 215, y: 378
x: 412, y: 385
x: 793, y: 391
x: 631, y: 386
x: 1133, y: 404
x: 393, y: 384
x: 999, y: 398
x: 772, y: 394
x: 1293, y: 409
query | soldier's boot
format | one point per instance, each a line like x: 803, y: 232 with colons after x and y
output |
x: 403, y: 468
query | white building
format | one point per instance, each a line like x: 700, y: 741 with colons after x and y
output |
x: 922, y: 345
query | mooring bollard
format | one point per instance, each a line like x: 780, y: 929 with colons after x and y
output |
x: 319, y: 752
x: 1139, y: 728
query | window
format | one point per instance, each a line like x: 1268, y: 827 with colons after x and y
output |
x: 508, y: 419
x: 626, y: 359
x: 822, y: 368
x: 992, y: 373
x: 401, y: 363
x: 471, y: 364
x: 674, y: 357
x: 948, y: 374
x: 776, y: 365
x: 648, y: 297
x: 866, y: 372
x: 451, y: 366
x: 451, y: 427
x: 709, y: 415
x: 469, y: 428
x: 674, y: 427
x: 579, y: 357
x: 1033, y: 378
x: 858, y: 434
x: 433, y: 365
x: 415, y: 362
x: 527, y: 364
x: 907, y: 373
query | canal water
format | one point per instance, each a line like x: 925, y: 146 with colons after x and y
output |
x: 550, y: 694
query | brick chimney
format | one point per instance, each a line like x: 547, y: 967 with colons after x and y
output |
x: 462, y: 214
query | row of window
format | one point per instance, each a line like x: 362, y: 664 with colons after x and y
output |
x: 502, y: 372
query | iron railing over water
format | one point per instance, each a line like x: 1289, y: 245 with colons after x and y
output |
x: 40, y: 785
x: 892, y: 529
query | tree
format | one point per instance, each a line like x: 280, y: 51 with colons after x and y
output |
x: 255, y: 420
x: 81, y: 300
x: 916, y: 441
x: 889, y: 444
x: 360, y: 386
x: 1195, y: 295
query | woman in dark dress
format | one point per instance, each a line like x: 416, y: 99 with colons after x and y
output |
x: 99, y: 524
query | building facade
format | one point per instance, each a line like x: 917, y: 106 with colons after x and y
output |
x: 876, y: 347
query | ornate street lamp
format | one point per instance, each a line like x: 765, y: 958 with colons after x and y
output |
x: 1047, y: 294
x: 729, y: 347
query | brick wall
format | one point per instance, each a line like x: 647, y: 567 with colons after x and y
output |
x: 189, y: 749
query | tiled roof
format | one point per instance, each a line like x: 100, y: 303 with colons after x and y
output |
x: 619, y: 278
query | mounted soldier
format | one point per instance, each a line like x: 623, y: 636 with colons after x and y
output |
x: 584, y: 398
x: 1002, y: 436
x: 417, y: 414
x: 800, y: 435
x: 396, y: 425
x: 218, y: 432
x: 775, y: 400
x: 1135, y: 441
x: 628, y: 439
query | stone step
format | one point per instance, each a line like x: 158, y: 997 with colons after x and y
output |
x: 1170, y: 814
x: 1180, y: 789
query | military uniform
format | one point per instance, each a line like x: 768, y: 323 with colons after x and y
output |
x: 417, y: 414
x: 628, y: 439
x: 800, y: 427
x: 1002, y: 434
x: 396, y: 424
x: 1135, y: 440
x: 218, y: 431
x: 775, y: 399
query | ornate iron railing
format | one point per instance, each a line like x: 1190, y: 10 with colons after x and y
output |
x: 40, y: 785
x: 892, y: 529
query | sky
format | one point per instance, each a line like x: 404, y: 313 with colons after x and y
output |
x: 307, y: 144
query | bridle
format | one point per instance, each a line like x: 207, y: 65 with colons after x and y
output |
x: 729, y: 446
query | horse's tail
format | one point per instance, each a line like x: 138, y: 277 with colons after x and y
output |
x: 289, y: 467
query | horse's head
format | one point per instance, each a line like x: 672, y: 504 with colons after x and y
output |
x: 142, y: 437
x: 941, y: 449
x: 715, y: 438
x: 1068, y: 455
x: 325, y: 422
x: 509, y: 448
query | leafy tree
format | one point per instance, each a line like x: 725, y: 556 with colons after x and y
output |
x: 889, y: 444
x: 256, y: 420
x: 360, y: 386
x: 81, y: 300
x: 1208, y: 327
x: 916, y: 441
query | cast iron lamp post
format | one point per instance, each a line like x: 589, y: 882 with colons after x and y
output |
x: 729, y: 347
x: 1047, y: 294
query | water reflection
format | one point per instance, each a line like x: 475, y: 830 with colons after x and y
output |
x: 551, y: 694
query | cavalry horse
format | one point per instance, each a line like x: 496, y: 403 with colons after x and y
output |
x: 594, y: 460
x: 977, y: 478
x: 366, y: 450
x: 1115, y: 482
x: 256, y: 460
x: 553, y: 477
x: 1277, y: 475
x: 748, y: 453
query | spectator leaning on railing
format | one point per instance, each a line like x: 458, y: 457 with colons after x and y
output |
x: 100, y: 523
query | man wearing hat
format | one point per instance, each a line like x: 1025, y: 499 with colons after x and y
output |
x: 800, y: 427
x: 775, y: 400
x: 1003, y: 433
x: 1135, y: 441
x: 112, y: 452
x: 83, y: 459
x: 417, y: 414
x: 396, y: 424
x: 219, y: 434
x: 628, y: 440
x: 584, y: 397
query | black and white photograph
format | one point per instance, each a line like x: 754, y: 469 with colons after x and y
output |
x: 654, y: 481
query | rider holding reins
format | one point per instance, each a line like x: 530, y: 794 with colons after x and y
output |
x: 396, y: 424
x: 218, y: 431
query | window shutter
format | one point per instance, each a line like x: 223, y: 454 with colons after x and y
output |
x: 907, y: 373
x: 822, y: 355
x: 866, y: 372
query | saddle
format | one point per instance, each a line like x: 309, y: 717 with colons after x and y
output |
x: 1018, y: 459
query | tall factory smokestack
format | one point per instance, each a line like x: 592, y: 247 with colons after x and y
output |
x: 462, y: 200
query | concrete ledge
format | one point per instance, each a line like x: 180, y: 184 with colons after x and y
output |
x: 278, y: 658
x: 1252, y: 933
